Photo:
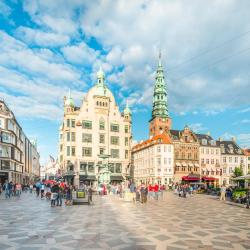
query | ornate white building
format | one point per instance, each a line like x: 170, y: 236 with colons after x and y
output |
x: 91, y: 131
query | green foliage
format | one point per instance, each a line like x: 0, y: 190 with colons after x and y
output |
x: 237, y: 172
x: 238, y: 194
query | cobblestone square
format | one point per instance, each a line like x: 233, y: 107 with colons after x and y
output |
x: 199, y: 222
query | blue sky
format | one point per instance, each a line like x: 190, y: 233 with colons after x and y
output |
x: 47, y: 47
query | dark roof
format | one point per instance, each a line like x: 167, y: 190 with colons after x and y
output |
x: 206, y: 140
x: 175, y: 133
x: 230, y: 147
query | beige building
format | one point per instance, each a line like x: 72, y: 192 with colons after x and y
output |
x: 186, y: 155
x: 19, y: 158
x: 94, y: 130
x: 153, y: 160
x: 209, y: 159
x: 232, y: 156
x: 247, y: 160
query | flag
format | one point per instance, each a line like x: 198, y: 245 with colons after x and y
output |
x: 52, y: 159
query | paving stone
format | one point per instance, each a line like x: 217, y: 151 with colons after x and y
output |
x: 113, y: 224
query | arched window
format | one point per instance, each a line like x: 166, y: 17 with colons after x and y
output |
x: 97, y: 103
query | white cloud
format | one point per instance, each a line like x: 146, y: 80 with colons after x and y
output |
x: 197, y: 127
x: 244, y: 140
x: 80, y: 54
x: 245, y: 110
x: 15, y: 54
x: 5, y: 10
x: 41, y: 38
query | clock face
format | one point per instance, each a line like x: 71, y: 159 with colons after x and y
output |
x: 164, y: 119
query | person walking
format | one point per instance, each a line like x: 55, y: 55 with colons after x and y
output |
x: 42, y: 190
x: 18, y: 190
x: 54, y: 194
x: 6, y: 188
x: 248, y: 197
x: 38, y: 186
x: 90, y: 193
x: 223, y: 193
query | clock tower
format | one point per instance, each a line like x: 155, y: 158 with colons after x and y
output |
x: 160, y: 121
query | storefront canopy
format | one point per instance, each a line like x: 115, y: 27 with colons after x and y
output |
x: 244, y: 177
x: 87, y: 177
x: 206, y: 178
x: 190, y: 178
x: 116, y: 178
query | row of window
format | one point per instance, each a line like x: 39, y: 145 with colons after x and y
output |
x: 166, y: 161
x: 87, y: 152
x: 114, y: 140
x: 166, y: 148
x: 211, y: 161
x: 183, y: 169
x: 230, y: 159
x: 188, y: 156
x: 89, y: 167
x: 210, y: 151
x: 88, y: 125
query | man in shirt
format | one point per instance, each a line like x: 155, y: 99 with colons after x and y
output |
x: 223, y: 193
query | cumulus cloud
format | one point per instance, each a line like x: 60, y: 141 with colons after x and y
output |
x: 197, y: 127
x: 41, y: 38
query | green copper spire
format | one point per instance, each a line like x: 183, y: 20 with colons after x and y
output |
x: 69, y: 100
x: 127, y: 110
x: 160, y: 106
x: 101, y: 88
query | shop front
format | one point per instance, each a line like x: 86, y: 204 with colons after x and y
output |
x: 116, y: 179
x: 3, y: 177
x: 87, y: 179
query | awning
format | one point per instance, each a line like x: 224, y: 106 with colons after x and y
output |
x: 244, y: 177
x: 190, y: 178
x: 184, y: 164
x: 196, y: 165
x: 190, y: 164
x: 177, y: 164
x: 87, y: 177
x: 116, y: 178
x: 206, y: 178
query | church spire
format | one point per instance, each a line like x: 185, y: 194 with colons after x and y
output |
x: 160, y: 106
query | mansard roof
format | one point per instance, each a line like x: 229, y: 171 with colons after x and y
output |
x: 230, y: 147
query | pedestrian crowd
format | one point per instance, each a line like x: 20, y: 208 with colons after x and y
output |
x: 10, y: 189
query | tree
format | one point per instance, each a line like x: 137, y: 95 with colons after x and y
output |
x: 237, y: 172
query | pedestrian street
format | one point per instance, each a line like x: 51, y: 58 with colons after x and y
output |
x: 198, y: 222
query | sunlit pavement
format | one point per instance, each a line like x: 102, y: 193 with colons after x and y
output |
x: 199, y: 222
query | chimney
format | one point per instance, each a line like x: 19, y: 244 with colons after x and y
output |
x: 233, y: 139
x: 220, y: 139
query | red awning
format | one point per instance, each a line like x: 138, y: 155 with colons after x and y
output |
x: 206, y: 178
x: 190, y: 178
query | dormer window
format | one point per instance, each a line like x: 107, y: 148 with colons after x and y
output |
x: 204, y: 141
x: 213, y: 142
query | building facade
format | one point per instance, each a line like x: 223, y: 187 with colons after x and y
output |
x: 186, y: 153
x: 95, y: 135
x: 232, y: 156
x: 19, y: 158
x: 153, y: 160
x: 210, y: 159
x: 247, y: 160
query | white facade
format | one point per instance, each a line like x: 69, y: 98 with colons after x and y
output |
x: 231, y: 157
x: 210, y: 161
x: 153, y: 163
x: 96, y: 128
